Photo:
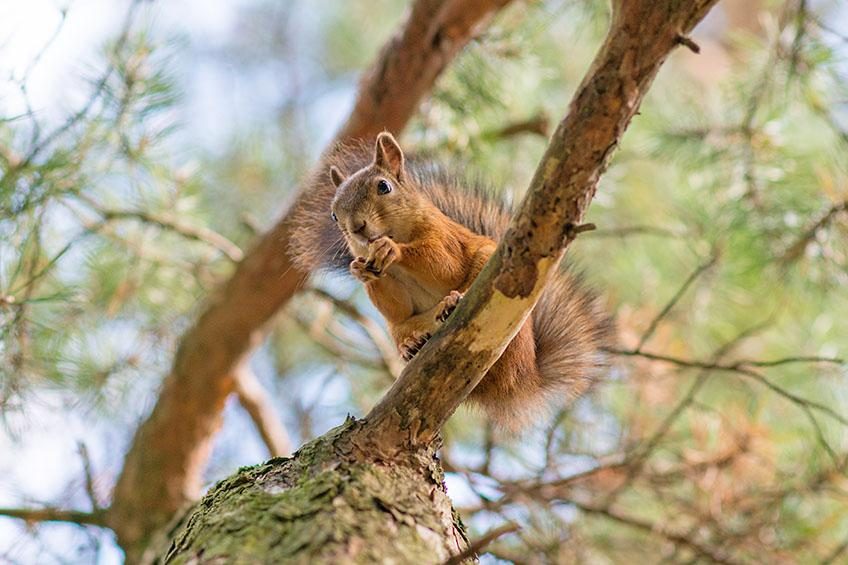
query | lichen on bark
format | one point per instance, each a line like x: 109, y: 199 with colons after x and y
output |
x: 325, y: 504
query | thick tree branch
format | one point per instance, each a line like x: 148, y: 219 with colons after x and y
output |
x: 162, y: 470
x: 440, y: 377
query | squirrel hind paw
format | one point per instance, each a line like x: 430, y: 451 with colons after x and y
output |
x: 410, y: 347
x: 448, y: 304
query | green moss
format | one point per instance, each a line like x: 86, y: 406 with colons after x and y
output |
x: 322, y: 505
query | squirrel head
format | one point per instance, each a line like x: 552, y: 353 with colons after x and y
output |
x: 380, y: 199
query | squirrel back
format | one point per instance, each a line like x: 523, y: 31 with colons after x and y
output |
x: 570, y: 327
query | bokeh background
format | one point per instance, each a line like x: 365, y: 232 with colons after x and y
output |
x: 144, y: 145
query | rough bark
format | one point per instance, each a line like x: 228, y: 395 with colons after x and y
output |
x: 341, y: 516
x: 162, y: 470
x: 326, y: 504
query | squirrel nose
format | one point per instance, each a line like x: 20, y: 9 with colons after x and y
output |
x: 357, y: 226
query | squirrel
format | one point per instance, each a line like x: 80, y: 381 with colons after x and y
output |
x: 417, y: 238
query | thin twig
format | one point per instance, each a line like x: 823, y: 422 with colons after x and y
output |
x: 99, y: 88
x: 476, y: 546
x: 254, y: 399
x: 387, y: 350
x: 89, y: 476
x: 739, y: 368
x: 652, y: 327
x: 540, y: 125
x: 626, y: 231
x: 49, y: 514
x: 196, y: 233
x: 798, y: 248
x: 715, y: 554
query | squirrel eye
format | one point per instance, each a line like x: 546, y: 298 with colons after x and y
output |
x: 333, y: 215
x: 383, y: 187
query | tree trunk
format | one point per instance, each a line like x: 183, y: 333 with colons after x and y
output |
x: 326, y: 504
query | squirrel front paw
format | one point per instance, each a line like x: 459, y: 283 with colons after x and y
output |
x: 448, y: 305
x: 413, y: 344
x: 360, y: 271
x: 382, y: 252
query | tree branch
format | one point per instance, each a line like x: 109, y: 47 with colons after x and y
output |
x: 482, y: 542
x: 164, y: 221
x: 387, y: 350
x: 163, y: 468
x: 440, y: 377
x: 254, y: 399
x: 32, y: 515
x: 716, y: 555
x: 652, y: 327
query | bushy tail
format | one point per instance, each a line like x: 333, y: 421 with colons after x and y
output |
x: 571, y: 329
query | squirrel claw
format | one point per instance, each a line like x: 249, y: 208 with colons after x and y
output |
x: 382, y: 253
x: 360, y: 270
x: 448, y: 305
x: 413, y: 344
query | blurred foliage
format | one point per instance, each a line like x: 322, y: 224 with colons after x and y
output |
x: 722, y: 249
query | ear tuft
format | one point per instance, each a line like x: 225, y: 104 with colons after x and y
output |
x: 336, y: 176
x: 388, y: 155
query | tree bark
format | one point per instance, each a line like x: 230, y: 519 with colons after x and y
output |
x: 328, y: 503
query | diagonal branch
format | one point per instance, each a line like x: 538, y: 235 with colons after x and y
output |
x: 254, y: 399
x: 188, y: 231
x: 162, y: 470
x: 652, y: 327
x: 440, y: 377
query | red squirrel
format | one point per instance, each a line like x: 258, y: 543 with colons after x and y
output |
x: 417, y: 240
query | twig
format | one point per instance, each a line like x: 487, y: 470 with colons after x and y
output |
x: 742, y: 370
x: 652, y: 327
x: 164, y: 221
x: 254, y: 399
x: 798, y: 248
x: 716, y: 555
x: 322, y: 336
x: 687, y: 42
x: 625, y: 231
x: 99, y: 87
x: 480, y: 543
x: 837, y: 552
x: 49, y: 514
x: 540, y: 125
x: 387, y: 350
x: 89, y: 476
x: 640, y: 453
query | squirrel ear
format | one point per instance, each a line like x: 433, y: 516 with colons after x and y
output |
x: 389, y: 155
x: 336, y: 176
